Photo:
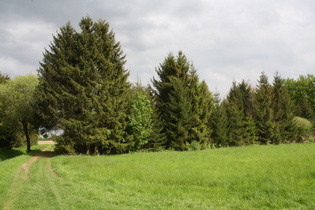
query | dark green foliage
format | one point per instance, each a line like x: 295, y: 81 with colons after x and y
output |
x: 264, y: 114
x: 17, y: 96
x: 4, y: 78
x: 157, y: 137
x: 239, y: 109
x: 202, y: 107
x: 172, y: 101
x: 283, y: 111
x: 302, y: 92
x: 84, y: 90
x: 8, y: 136
x: 219, y: 123
x: 183, y: 103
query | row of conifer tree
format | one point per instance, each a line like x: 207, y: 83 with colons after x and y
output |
x: 84, y: 90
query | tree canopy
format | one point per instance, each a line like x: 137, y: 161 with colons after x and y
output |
x: 17, y: 98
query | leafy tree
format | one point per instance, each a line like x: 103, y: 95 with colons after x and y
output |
x: 4, y: 78
x: 140, y: 119
x: 83, y: 89
x: 17, y: 96
x: 302, y: 92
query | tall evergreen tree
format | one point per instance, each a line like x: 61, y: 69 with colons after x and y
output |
x: 264, y: 116
x: 239, y: 108
x: 202, y: 107
x: 83, y: 89
x: 172, y: 100
x: 219, y: 123
x: 183, y: 103
x: 283, y: 110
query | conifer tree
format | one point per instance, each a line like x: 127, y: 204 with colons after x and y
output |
x: 239, y: 108
x: 83, y: 89
x: 264, y: 116
x: 202, y: 107
x: 219, y: 123
x: 172, y: 103
x: 157, y: 137
x: 183, y: 103
x: 283, y: 110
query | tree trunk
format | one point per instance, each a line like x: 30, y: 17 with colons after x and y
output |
x: 27, y: 135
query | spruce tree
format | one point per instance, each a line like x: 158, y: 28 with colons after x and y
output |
x: 283, y: 110
x: 264, y: 116
x: 183, y: 103
x: 83, y: 89
x: 202, y: 107
x: 239, y: 108
x: 219, y: 123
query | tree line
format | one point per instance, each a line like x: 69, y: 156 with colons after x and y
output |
x: 82, y: 88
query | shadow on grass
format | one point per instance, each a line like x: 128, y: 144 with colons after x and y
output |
x: 8, y: 154
x: 41, y: 153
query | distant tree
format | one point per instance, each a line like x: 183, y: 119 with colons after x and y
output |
x: 264, y: 115
x: 302, y: 92
x: 17, y: 97
x: 83, y: 89
x: 4, y: 78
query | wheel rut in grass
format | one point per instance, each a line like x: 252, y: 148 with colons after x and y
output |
x: 22, y: 175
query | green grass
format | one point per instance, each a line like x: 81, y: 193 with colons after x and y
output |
x: 10, y: 164
x: 270, y: 177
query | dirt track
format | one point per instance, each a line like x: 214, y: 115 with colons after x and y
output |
x: 22, y: 175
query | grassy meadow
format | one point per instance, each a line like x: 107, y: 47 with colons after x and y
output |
x: 261, y: 177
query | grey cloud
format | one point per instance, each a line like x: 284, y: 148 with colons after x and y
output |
x: 225, y: 39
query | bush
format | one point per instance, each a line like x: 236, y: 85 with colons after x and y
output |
x: 193, y: 146
x: 304, y: 125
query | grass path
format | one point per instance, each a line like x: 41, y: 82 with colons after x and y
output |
x: 22, y: 180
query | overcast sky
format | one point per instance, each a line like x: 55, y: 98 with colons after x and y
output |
x: 225, y: 39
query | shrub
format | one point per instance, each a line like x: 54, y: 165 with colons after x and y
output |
x: 304, y: 125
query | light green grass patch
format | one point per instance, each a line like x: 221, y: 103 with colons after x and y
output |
x: 242, y: 177
x: 260, y: 177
